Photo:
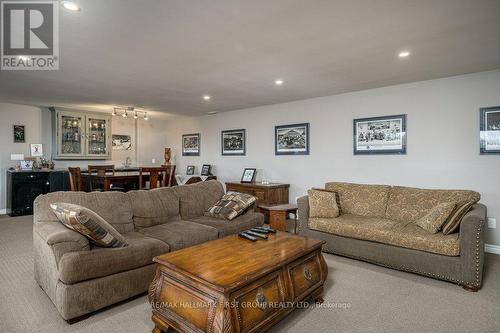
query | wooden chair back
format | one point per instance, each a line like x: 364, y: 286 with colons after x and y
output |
x: 158, y: 176
x: 99, y: 170
x: 75, y: 179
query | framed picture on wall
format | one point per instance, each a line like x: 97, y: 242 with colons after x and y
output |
x: 191, y: 144
x: 489, y: 130
x: 248, y: 175
x: 291, y: 139
x: 19, y: 133
x: 190, y: 170
x: 380, y: 135
x: 233, y: 142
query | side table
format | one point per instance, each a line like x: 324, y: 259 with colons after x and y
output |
x: 278, y: 215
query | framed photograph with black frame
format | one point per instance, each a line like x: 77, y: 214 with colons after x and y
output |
x: 489, y: 137
x: 248, y: 175
x: 233, y: 142
x: 191, y: 144
x: 19, y: 133
x: 206, y: 169
x: 190, y: 170
x: 291, y: 139
x: 380, y: 135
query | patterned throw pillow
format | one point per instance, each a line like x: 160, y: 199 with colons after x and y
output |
x: 231, y: 205
x: 323, y: 203
x: 453, y: 222
x: 89, y: 224
x: 436, y: 217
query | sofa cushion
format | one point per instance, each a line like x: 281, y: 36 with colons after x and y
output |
x: 196, y: 198
x: 243, y: 222
x: 231, y: 205
x: 407, y: 204
x: 98, y: 262
x: 154, y: 207
x: 386, y: 231
x: 322, y: 203
x: 436, y: 217
x: 89, y: 224
x: 360, y: 199
x: 114, y: 207
x: 181, y: 234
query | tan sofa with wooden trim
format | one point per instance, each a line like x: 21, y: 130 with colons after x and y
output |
x: 377, y: 224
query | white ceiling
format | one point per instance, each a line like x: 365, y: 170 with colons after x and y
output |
x: 165, y: 55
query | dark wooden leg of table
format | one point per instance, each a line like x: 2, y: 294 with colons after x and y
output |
x: 277, y: 220
x: 107, y: 184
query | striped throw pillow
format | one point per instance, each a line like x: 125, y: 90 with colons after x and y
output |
x: 89, y: 224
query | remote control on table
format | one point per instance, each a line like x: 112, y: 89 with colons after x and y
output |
x: 256, y: 234
x: 247, y: 236
x: 266, y: 229
x: 262, y: 231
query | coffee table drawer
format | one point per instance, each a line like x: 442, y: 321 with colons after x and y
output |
x: 259, y: 302
x: 305, y: 274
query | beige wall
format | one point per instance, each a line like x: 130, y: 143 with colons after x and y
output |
x: 443, y: 144
x: 148, y: 139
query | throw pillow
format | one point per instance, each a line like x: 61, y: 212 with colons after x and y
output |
x: 231, y: 205
x: 436, y: 217
x: 453, y: 222
x: 323, y: 203
x: 89, y: 224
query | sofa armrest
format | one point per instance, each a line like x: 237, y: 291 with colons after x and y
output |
x: 303, y: 212
x: 61, y: 239
x: 471, y: 239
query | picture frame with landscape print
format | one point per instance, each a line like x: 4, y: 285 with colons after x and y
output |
x: 19, y: 133
x: 490, y: 130
x: 191, y: 144
x: 233, y: 142
x: 380, y: 135
x: 291, y: 139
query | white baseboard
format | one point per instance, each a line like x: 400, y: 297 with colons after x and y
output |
x: 492, y: 248
x: 3, y: 211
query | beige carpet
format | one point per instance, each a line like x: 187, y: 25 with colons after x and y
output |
x: 362, y: 298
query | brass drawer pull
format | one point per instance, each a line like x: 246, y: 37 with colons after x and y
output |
x: 307, y: 273
x: 261, y: 300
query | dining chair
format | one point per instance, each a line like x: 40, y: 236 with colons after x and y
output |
x: 75, y: 179
x: 102, y: 171
x: 161, y: 176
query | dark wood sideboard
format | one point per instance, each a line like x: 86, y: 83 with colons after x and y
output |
x: 266, y: 194
x: 24, y: 186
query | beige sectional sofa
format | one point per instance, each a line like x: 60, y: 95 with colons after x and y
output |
x: 80, y: 278
x: 377, y: 224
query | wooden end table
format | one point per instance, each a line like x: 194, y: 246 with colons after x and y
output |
x: 278, y: 215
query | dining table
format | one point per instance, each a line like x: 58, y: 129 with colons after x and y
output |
x: 125, y: 177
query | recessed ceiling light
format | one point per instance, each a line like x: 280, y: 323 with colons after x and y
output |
x: 278, y: 82
x: 69, y: 5
x: 211, y: 112
x: 404, y: 54
x: 206, y: 97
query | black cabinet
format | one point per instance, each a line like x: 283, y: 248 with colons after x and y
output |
x: 24, y: 186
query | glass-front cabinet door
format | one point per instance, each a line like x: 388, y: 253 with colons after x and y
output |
x: 82, y: 135
x: 98, y: 136
x: 70, y: 134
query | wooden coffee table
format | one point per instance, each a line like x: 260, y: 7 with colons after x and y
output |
x: 234, y: 285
